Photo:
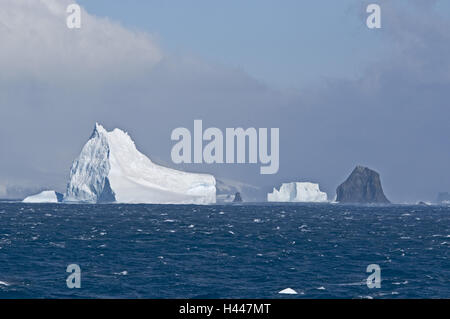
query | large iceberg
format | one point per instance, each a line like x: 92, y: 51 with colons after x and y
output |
x: 45, y: 197
x: 297, y: 192
x: 111, y: 169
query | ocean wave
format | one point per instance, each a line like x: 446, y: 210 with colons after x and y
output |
x: 228, y: 256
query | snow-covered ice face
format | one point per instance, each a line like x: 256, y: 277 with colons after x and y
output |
x: 236, y: 146
x: 111, y: 169
x: 298, y: 192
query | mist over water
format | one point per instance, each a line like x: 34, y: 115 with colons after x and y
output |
x: 248, y: 251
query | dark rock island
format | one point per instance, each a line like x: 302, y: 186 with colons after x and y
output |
x: 237, y: 198
x: 362, y: 186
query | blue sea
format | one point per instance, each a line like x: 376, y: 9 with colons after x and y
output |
x: 230, y: 251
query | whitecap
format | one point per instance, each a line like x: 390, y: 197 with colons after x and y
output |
x: 401, y: 283
x: 59, y: 245
x: 321, y: 288
x: 3, y: 283
x: 388, y: 293
x: 361, y: 283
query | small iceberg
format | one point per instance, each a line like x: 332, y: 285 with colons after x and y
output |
x: 288, y: 291
x: 298, y: 192
x: 45, y: 197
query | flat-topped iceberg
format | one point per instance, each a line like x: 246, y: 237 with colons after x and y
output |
x: 44, y: 197
x: 111, y: 169
x: 297, y: 192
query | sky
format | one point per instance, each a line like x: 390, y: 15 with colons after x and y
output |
x: 341, y: 94
x: 285, y: 44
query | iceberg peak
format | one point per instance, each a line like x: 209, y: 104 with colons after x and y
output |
x: 111, y: 169
x: 98, y: 130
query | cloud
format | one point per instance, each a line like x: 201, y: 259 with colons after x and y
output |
x: 49, y: 73
x: 34, y: 33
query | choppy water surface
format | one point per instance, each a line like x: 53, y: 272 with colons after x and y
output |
x: 253, y: 251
